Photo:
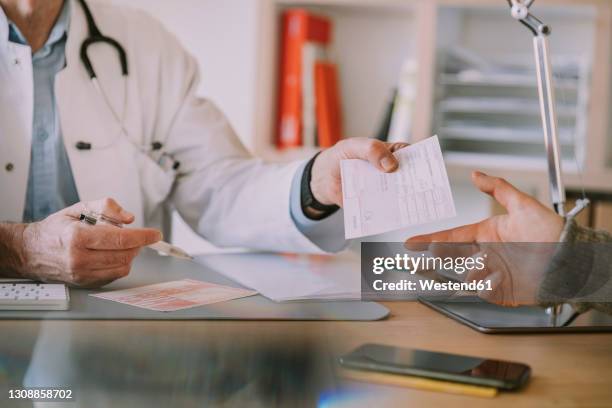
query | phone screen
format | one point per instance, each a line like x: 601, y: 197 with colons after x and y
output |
x: 442, y: 366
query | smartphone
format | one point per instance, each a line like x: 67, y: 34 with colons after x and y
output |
x: 439, y: 366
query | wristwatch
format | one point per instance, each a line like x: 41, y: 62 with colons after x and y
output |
x: 312, y: 208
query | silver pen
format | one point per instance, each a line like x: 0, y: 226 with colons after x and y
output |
x: 162, y: 247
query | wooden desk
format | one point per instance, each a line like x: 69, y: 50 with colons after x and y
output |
x: 568, y: 370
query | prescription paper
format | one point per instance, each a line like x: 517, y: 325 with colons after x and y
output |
x: 175, y: 295
x: 417, y: 193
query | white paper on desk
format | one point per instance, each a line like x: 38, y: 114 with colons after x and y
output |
x: 283, y: 278
x: 417, y: 193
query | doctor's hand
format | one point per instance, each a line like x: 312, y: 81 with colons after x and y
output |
x: 514, y: 265
x: 60, y: 248
x: 326, y: 184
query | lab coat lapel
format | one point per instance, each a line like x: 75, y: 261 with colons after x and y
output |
x: 16, y: 111
x: 107, y: 170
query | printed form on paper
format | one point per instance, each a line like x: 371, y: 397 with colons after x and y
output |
x: 417, y: 193
x: 175, y: 295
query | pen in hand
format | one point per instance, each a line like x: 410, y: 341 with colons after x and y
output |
x: 162, y: 247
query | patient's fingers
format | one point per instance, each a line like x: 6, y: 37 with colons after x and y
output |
x: 476, y: 274
x: 453, y: 249
x: 503, y: 192
x: 467, y: 233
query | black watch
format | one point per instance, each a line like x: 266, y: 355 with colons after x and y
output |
x: 312, y: 208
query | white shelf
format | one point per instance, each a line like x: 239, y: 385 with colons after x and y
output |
x: 493, y: 134
x: 500, y: 106
x: 498, y: 81
x: 503, y: 162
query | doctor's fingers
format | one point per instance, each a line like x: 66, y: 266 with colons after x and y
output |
x: 378, y: 153
x: 106, y: 237
x: 107, y: 206
x: 394, y: 147
x: 91, y: 259
x: 97, y: 278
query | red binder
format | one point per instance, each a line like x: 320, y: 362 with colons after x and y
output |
x: 299, y: 27
x: 329, y: 114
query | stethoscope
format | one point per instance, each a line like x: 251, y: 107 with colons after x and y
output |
x: 165, y: 160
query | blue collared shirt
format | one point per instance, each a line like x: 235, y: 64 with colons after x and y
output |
x: 51, y: 184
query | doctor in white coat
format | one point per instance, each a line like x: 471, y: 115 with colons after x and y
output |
x: 139, y: 136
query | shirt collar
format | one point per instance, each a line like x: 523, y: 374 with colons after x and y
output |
x: 10, y: 32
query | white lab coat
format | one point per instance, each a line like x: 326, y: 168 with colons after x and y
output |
x: 223, y: 193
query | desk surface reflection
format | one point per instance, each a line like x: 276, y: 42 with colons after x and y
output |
x: 109, y: 365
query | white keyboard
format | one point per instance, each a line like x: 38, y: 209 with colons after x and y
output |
x: 33, y: 296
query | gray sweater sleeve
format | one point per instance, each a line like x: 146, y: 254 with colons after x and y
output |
x: 580, y: 272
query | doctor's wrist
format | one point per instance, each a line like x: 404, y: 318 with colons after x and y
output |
x: 13, y: 259
x: 314, y: 206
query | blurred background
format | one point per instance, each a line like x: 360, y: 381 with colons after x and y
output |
x: 405, y: 70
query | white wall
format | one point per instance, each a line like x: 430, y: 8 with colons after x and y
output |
x: 369, y: 49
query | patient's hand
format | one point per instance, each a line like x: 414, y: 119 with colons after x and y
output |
x: 514, y: 265
x: 527, y: 219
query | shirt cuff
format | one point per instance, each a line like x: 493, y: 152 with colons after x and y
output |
x: 328, y: 233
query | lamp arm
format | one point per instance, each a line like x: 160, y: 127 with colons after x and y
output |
x: 546, y: 91
x: 548, y: 110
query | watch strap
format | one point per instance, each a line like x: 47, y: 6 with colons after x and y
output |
x: 311, y: 207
